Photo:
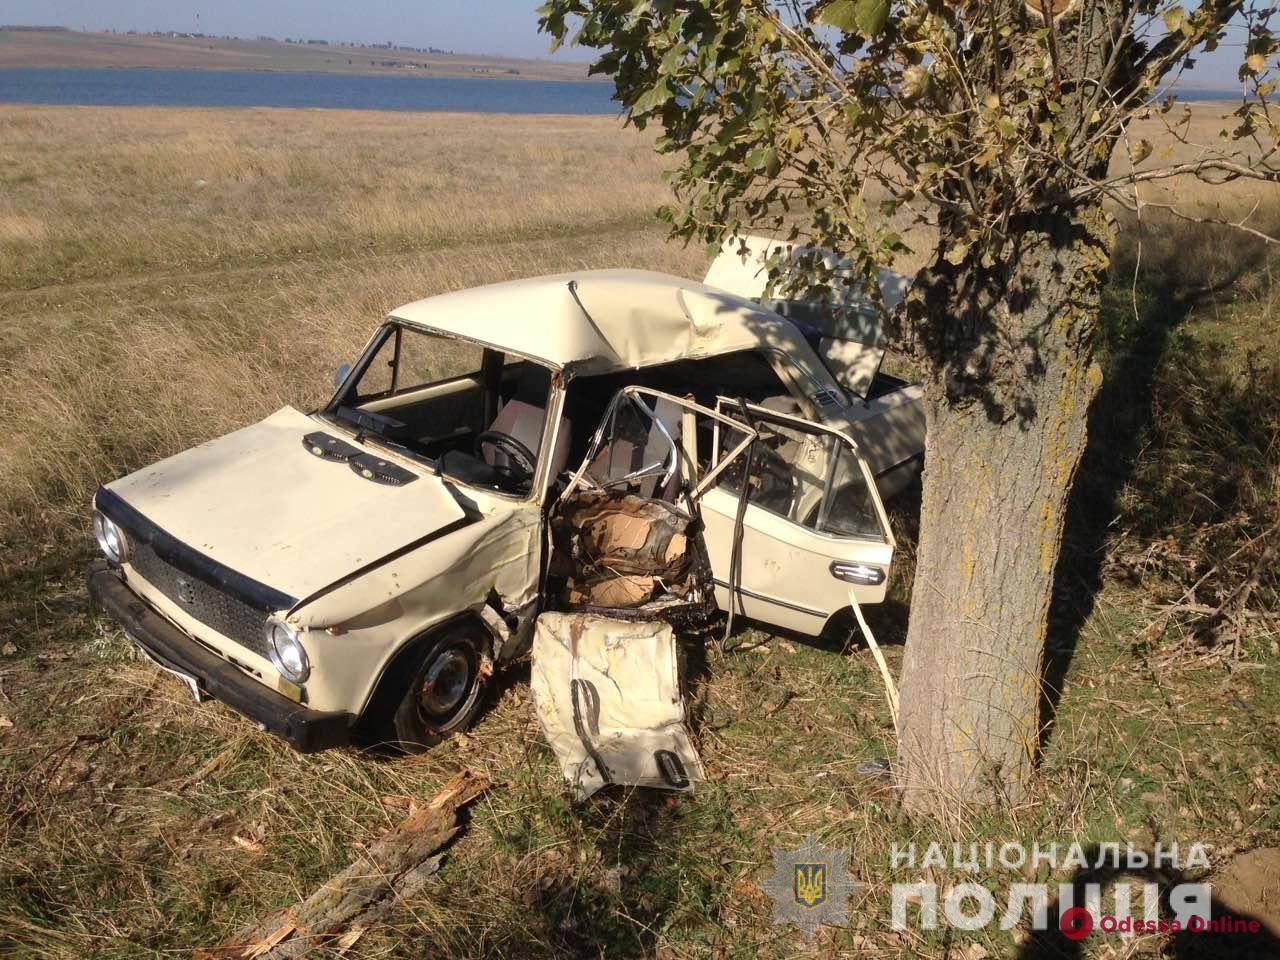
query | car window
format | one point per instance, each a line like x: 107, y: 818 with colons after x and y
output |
x: 426, y: 358
x: 408, y: 358
x: 849, y: 511
x: 810, y: 477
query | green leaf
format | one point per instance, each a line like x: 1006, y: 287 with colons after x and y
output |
x: 871, y: 16
x: 867, y: 17
x: 840, y: 14
x: 893, y: 242
x: 766, y: 159
x: 653, y: 99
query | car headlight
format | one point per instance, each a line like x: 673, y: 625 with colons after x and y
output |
x: 110, y: 538
x: 286, y: 652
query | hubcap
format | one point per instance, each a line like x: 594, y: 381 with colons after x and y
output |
x: 445, y: 685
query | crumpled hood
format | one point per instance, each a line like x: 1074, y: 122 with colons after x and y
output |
x: 258, y: 502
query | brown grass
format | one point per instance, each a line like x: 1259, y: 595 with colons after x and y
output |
x: 166, y: 274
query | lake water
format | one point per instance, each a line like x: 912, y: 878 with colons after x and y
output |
x: 235, y: 88
x: 243, y: 88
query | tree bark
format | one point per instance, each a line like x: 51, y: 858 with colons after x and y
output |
x: 1007, y: 395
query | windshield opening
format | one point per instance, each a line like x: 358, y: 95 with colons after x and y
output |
x: 473, y: 412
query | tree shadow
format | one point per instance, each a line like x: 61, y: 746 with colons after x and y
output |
x: 1183, y: 266
x: 619, y: 890
x: 1226, y: 935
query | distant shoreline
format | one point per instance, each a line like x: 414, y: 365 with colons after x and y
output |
x: 34, y: 48
x: 383, y: 74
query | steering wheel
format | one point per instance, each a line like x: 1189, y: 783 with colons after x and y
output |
x: 517, y: 455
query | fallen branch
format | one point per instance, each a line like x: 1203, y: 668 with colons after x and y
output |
x: 393, y: 866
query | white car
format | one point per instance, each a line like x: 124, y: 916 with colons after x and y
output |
x: 362, y: 568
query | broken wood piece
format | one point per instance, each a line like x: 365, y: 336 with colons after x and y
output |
x: 395, y: 865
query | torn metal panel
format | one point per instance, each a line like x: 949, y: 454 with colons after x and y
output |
x: 608, y: 697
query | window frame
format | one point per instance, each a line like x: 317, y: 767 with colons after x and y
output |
x: 633, y: 394
x: 345, y: 394
x: 730, y: 406
x: 541, y: 481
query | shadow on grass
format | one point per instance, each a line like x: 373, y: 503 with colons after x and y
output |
x: 1183, y: 266
x: 617, y: 883
x: 1226, y: 935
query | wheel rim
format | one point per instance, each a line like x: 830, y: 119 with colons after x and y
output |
x: 447, y: 684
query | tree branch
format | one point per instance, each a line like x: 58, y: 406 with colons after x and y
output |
x: 1194, y: 168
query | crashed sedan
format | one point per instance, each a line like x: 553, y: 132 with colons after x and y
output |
x: 358, y: 572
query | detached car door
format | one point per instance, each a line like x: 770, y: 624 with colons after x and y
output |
x: 813, y: 528
x: 606, y: 672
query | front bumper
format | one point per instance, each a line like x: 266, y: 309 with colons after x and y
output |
x: 306, y: 730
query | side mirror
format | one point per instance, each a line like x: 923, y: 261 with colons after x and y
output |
x: 341, y: 374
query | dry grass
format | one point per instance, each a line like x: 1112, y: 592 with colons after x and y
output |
x: 144, y: 312
x: 166, y: 275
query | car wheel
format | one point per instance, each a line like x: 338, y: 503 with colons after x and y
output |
x: 444, y: 696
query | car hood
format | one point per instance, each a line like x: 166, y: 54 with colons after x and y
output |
x: 261, y: 503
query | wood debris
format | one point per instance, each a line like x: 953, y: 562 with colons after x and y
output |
x: 393, y: 866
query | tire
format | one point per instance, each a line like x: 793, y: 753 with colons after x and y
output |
x: 444, y: 696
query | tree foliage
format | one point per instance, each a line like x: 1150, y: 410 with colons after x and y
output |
x: 842, y: 123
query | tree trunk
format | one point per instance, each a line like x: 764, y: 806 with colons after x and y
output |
x: 1007, y: 396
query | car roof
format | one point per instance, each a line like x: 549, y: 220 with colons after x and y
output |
x: 599, y: 321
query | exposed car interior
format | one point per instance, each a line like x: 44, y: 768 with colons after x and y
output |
x: 474, y: 412
x: 479, y: 415
x: 804, y: 474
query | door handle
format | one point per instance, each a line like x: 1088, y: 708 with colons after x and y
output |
x: 863, y: 574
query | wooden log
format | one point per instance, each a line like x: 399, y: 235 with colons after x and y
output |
x: 393, y: 865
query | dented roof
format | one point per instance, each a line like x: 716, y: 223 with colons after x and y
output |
x: 602, y: 320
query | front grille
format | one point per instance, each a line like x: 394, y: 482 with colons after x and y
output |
x: 217, y: 610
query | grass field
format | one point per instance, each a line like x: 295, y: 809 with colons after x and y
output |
x: 166, y: 276
x: 47, y: 48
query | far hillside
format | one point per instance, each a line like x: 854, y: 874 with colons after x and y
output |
x: 57, y: 47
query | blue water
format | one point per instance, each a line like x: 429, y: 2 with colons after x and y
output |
x: 236, y: 88
x: 244, y: 88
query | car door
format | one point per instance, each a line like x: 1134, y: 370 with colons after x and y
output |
x: 606, y: 671
x: 813, y: 529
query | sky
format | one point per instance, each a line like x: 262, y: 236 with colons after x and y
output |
x: 502, y: 27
